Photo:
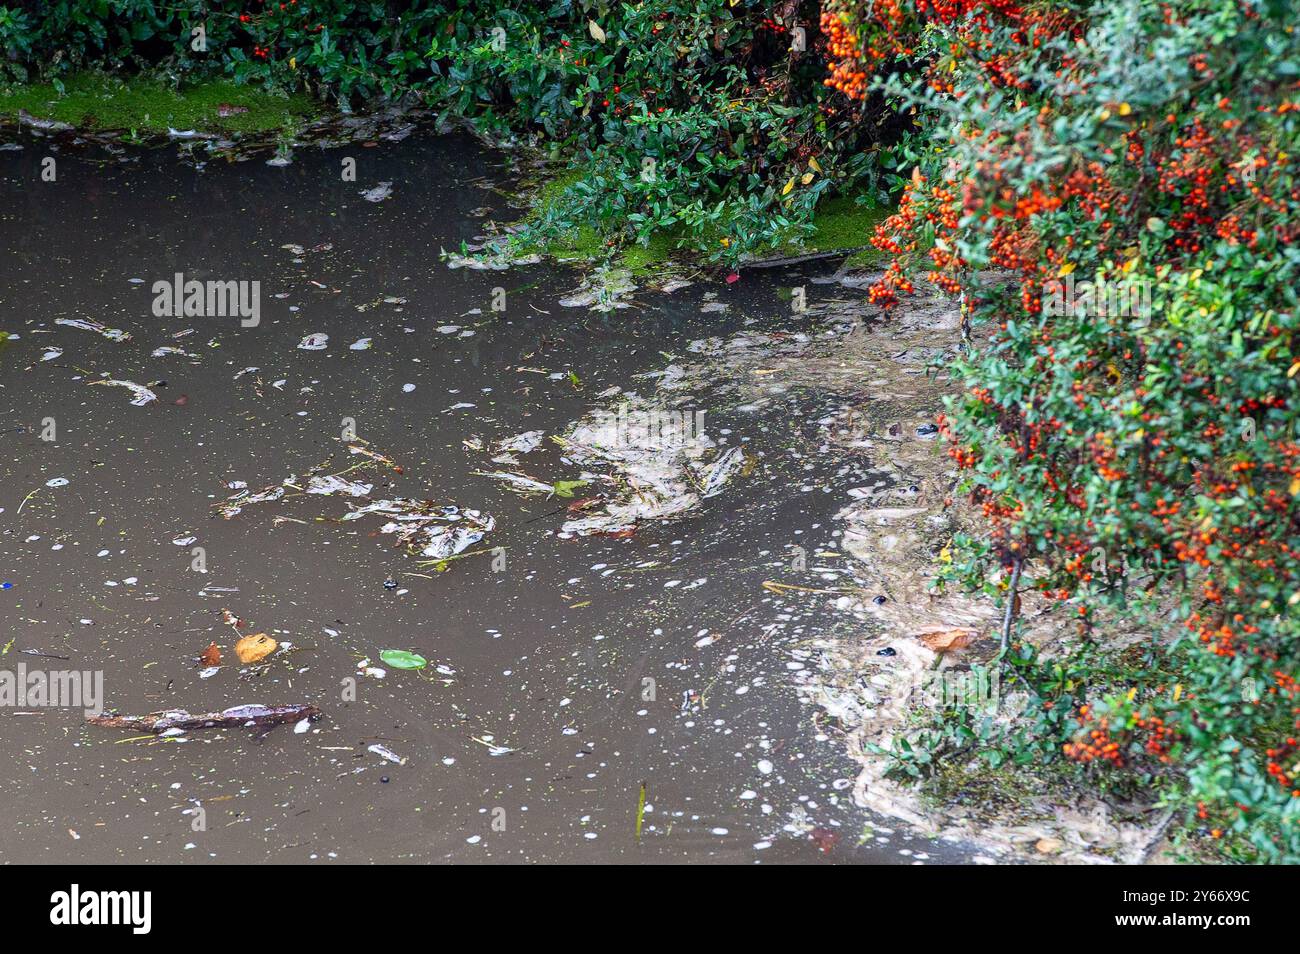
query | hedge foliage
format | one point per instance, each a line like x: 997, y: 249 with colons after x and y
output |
x: 1111, y: 186
x: 699, y: 119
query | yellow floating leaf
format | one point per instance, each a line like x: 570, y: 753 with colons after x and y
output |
x: 1066, y: 268
x: 1295, y: 486
x: 255, y: 648
x: 812, y: 164
x: 1178, y: 691
x: 1132, y: 694
x: 788, y: 186
x: 806, y: 178
x: 596, y: 32
x: 1291, y: 373
x: 1125, y: 109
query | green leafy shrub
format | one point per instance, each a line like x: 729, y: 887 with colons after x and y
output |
x: 1111, y: 187
x: 697, y: 119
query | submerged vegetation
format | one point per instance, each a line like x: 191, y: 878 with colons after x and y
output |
x: 1107, y: 187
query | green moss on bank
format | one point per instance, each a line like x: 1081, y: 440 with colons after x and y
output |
x: 95, y: 102
x: 844, y: 223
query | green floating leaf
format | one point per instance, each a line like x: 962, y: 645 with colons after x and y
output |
x: 565, y: 488
x: 401, y: 659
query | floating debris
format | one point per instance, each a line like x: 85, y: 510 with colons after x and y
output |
x: 523, y: 443
x: 662, y: 469
x: 492, y: 747
x: 243, y: 498
x: 496, y: 254
x: 714, y: 477
x: 333, y: 484
x: 375, y: 456
x: 402, y: 659
x: 433, y: 531
x: 941, y: 641
x: 89, y: 324
x: 142, y: 394
x: 605, y: 289
x: 255, y: 647
x: 314, y: 342
x: 437, y: 532
x: 386, y: 753
x: 519, y: 483
x: 173, y: 721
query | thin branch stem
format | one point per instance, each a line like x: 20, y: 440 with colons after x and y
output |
x: 1008, y: 617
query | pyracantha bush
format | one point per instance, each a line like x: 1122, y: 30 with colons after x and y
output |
x: 1110, y: 187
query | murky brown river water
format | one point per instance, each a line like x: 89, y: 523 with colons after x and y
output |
x: 533, y: 739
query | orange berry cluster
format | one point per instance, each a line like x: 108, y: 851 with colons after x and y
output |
x: 1097, y: 744
x: 844, y: 54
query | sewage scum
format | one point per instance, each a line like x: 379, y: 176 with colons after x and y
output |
x: 652, y: 463
x: 878, y: 648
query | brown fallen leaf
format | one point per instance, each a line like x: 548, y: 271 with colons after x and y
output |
x: 946, y: 639
x: 824, y: 838
x: 1048, y: 846
x: 255, y: 648
x: 211, y: 656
